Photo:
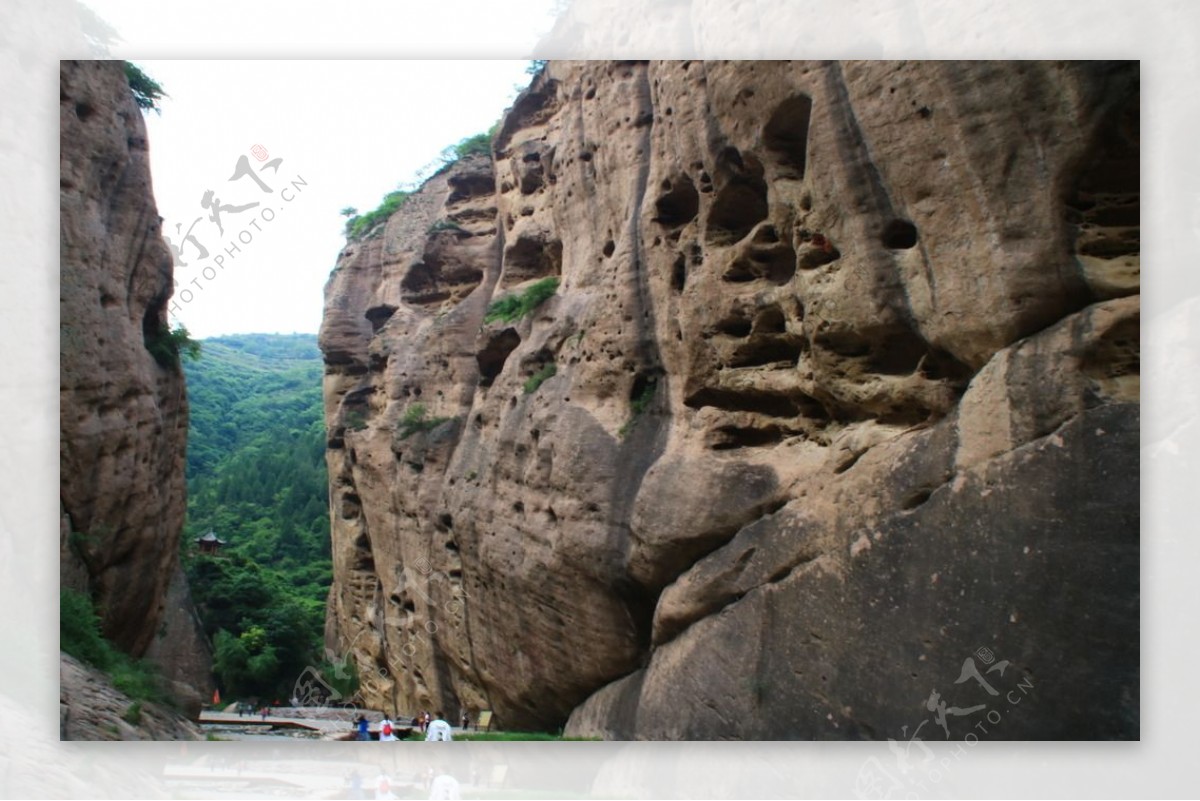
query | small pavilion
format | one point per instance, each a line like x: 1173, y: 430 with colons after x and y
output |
x: 210, y: 543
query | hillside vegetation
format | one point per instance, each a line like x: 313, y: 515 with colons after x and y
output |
x: 256, y: 477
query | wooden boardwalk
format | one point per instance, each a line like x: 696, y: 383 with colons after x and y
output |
x: 325, y: 727
x: 328, y: 729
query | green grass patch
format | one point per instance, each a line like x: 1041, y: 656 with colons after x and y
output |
x: 445, y: 225
x: 416, y: 418
x: 133, y: 715
x: 637, y: 407
x: 79, y: 630
x: 146, y: 91
x: 477, y: 145
x: 168, y: 345
x: 534, y: 381
x: 517, y: 306
x: 359, y: 225
x: 79, y: 636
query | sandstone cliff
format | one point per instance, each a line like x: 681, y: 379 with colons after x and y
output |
x: 123, y: 415
x: 838, y: 388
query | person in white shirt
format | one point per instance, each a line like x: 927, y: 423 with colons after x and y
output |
x: 438, y: 731
x: 386, y: 730
x: 444, y: 787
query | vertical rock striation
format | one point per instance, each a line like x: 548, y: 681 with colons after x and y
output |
x: 123, y: 415
x: 839, y: 385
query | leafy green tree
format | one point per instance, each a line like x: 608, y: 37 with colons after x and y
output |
x: 256, y: 476
x: 146, y: 91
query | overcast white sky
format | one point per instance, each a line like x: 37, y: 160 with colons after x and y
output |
x: 347, y: 131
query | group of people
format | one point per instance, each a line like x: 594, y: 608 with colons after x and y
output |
x: 435, y: 728
x: 440, y: 784
x: 244, y: 709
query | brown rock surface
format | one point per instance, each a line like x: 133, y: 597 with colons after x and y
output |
x: 805, y: 309
x: 90, y: 708
x: 123, y: 416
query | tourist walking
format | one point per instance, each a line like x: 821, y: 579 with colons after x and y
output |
x: 438, y: 730
x: 444, y: 787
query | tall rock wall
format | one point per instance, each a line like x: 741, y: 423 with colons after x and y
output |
x: 839, y: 390
x: 124, y: 416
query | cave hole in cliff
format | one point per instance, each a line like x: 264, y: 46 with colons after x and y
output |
x: 736, y: 325
x: 532, y: 257
x: 639, y: 602
x: 916, y: 498
x: 495, y: 353
x: 679, y: 204
x: 726, y: 438
x: 771, y: 404
x: 899, y: 354
x: 786, y: 135
x: 895, y: 351
x: 843, y: 343
x: 609, y: 247
x: 679, y: 273
x: 770, y: 321
x: 379, y: 315
x: 1104, y: 201
x: 765, y: 349
x: 775, y: 263
x: 351, y: 506
x: 817, y: 254
x: 364, y: 558
x: 420, y: 284
x: 899, y: 235
x: 1113, y: 360
x: 156, y: 335
x: 938, y: 365
x: 738, y: 206
x: 469, y: 184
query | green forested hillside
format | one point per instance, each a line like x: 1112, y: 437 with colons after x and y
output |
x: 256, y: 477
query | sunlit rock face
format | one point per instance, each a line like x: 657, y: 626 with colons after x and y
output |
x: 839, y: 387
x: 123, y: 414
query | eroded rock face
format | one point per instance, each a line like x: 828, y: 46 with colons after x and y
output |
x: 123, y: 415
x: 844, y: 387
x: 90, y: 708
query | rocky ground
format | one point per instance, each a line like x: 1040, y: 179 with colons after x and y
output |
x: 90, y: 708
